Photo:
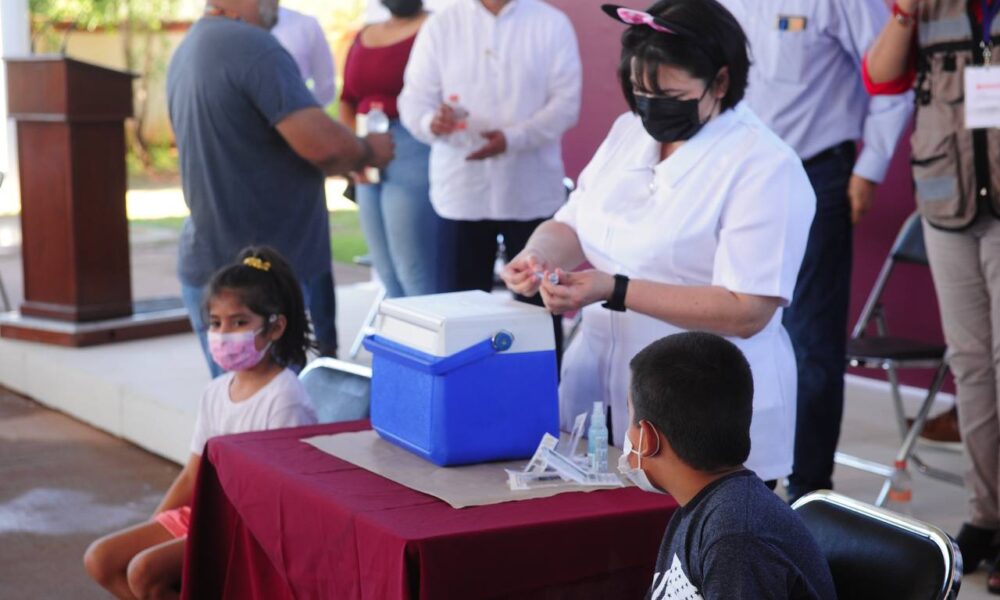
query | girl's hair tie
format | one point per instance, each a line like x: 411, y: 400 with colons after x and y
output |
x: 257, y: 263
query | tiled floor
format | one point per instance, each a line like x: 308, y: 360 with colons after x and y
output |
x: 62, y: 484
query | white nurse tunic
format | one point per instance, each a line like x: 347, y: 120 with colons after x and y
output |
x: 732, y: 208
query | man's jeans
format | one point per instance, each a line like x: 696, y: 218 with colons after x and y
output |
x: 817, y: 324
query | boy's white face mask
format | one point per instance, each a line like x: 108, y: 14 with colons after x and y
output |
x: 637, y: 475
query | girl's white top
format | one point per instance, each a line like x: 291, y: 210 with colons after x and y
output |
x: 283, y: 402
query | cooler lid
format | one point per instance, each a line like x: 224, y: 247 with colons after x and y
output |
x: 443, y: 324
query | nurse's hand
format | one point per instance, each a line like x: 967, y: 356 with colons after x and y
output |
x: 521, y: 273
x: 576, y: 290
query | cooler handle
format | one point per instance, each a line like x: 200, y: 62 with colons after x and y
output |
x: 437, y: 365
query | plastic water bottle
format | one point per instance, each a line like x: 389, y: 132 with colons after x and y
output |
x: 597, y: 440
x: 376, y: 121
x: 461, y: 134
x: 461, y: 113
x: 900, y: 497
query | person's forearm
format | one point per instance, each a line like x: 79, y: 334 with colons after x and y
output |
x: 352, y: 153
x: 701, y: 308
x: 347, y: 115
x: 558, y: 244
x: 544, y: 127
x: 181, y: 492
x: 887, y: 120
x: 328, y: 145
x: 889, y: 57
x: 416, y: 113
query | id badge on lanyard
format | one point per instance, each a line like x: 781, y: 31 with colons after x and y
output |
x: 982, y: 84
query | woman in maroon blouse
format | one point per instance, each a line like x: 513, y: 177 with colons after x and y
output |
x: 403, y: 231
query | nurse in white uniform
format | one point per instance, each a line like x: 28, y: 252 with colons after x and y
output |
x: 693, y: 216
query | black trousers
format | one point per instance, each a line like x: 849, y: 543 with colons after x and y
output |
x: 474, y: 252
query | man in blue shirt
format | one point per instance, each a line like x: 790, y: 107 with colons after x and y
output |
x: 690, y: 406
x: 254, y: 150
x: 806, y: 85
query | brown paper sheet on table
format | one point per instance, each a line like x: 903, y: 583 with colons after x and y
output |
x: 470, y: 485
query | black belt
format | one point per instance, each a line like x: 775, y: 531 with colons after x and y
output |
x: 848, y: 149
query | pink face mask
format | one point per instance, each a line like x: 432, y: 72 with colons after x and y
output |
x: 236, y: 351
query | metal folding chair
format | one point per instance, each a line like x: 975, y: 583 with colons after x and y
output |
x: 876, y: 554
x: 891, y: 353
x: 339, y: 390
x: 366, y: 325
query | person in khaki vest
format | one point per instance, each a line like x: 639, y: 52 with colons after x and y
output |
x: 928, y: 46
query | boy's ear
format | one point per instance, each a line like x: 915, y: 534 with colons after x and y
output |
x: 652, y: 440
x: 277, y: 328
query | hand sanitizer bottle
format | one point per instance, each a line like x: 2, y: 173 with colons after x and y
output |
x: 597, y: 440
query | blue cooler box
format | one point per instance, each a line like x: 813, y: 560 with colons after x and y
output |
x: 463, y: 378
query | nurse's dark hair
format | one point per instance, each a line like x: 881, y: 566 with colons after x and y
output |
x: 708, y: 38
x: 697, y: 390
x: 266, y: 284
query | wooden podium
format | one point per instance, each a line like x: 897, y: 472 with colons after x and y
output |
x: 71, y: 148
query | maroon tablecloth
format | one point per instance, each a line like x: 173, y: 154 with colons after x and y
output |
x: 276, y: 518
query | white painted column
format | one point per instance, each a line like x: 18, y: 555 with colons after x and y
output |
x: 15, y: 40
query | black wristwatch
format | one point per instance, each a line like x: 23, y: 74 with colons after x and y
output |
x: 617, y: 300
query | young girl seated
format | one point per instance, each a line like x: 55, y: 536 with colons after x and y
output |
x: 258, y: 329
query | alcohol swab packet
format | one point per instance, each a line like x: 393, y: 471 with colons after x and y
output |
x: 520, y: 481
x: 571, y: 471
x: 549, y: 468
x: 537, y: 462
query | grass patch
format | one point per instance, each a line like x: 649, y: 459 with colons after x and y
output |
x: 171, y: 223
x: 346, y: 239
x: 161, y: 161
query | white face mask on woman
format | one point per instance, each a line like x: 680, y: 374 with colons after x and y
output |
x: 637, y: 475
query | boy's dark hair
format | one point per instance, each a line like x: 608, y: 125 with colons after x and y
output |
x: 697, y: 389
x: 274, y: 291
x: 708, y: 38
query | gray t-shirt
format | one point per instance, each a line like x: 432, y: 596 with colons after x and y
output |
x: 737, y: 540
x: 228, y: 85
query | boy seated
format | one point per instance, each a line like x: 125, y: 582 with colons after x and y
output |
x: 690, y: 405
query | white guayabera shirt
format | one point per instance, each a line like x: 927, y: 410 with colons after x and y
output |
x: 518, y: 72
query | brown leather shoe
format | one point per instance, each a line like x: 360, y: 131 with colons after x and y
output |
x: 942, y: 430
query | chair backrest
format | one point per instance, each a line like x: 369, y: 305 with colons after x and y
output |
x: 874, y: 553
x: 908, y: 247
x: 339, y: 390
x: 909, y: 244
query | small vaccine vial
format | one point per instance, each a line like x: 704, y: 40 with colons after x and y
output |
x: 553, y: 277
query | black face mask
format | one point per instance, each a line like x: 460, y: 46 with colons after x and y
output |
x: 403, y: 8
x: 669, y: 119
